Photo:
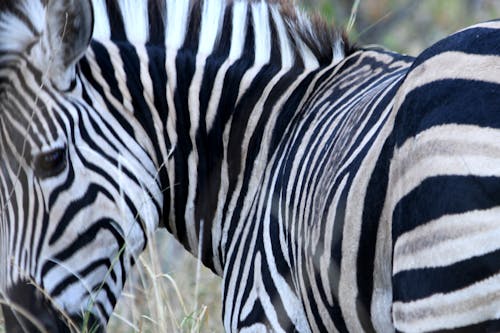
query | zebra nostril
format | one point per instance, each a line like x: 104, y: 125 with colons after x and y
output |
x: 19, y: 320
x: 32, y: 312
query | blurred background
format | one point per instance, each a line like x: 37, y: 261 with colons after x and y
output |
x: 170, y: 291
x: 406, y: 26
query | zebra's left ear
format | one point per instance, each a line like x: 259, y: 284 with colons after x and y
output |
x: 67, y: 35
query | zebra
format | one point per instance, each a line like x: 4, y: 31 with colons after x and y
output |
x: 334, y: 188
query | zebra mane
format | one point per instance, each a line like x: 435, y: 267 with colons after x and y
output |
x: 275, y: 23
x: 177, y: 23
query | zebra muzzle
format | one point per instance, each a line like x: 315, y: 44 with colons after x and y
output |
x: 30, y: 311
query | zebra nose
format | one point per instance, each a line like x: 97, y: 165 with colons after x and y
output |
x: 32, y: 312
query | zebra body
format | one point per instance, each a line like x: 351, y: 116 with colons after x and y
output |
x: 301, y: 199
x: 318, y: 180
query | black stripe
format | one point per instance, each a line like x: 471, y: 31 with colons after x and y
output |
x: 439, y: 196
x: 159, y: 79
x: 483, y: 41
x: 185, y: 63
x: 83, y: 240
x: 449, y: 101
x: 110, y: 296
x: 116, y: 23
x: 107, y: 70
x: 85, y: 67
x: 156, y: 10
x: 72, y: 279
x: 416, y: 284
x: 75, y: 207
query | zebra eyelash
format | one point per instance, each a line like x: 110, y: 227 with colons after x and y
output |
x: 50, y: 163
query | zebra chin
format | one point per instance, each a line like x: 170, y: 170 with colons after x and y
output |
x: 33, y: 312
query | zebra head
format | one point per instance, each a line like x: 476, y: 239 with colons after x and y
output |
x: 68, y: 230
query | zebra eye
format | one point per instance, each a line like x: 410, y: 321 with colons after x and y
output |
x: 50, y: 163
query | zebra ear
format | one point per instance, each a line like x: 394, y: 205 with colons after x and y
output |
x: 68, y: 30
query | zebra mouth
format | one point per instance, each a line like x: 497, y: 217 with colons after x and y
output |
x: 30, y: 312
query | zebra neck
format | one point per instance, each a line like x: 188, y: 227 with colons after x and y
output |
x: 226, y: 120
x: 209, y: 124
x: 214, y: 90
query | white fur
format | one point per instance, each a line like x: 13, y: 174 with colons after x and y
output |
x: 338, y: 51
x: 472, y: 304
x: 238, y: 33
x: 259, y: 294
x: 211, y: 22
x: 455, y: 237
x: 294, y: 308
x: 304, y: 24
x: 287, y: 55
x: 136, y: 20
x: 101, y: 21
x: 310, y: 61
x: 177, y: 20
x: 262, y: 31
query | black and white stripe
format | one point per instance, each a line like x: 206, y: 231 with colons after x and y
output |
x: 320, y: 181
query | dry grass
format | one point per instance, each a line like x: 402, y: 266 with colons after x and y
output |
x: 166, y: 293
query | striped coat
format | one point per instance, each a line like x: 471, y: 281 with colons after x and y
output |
x: 333, y: 188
